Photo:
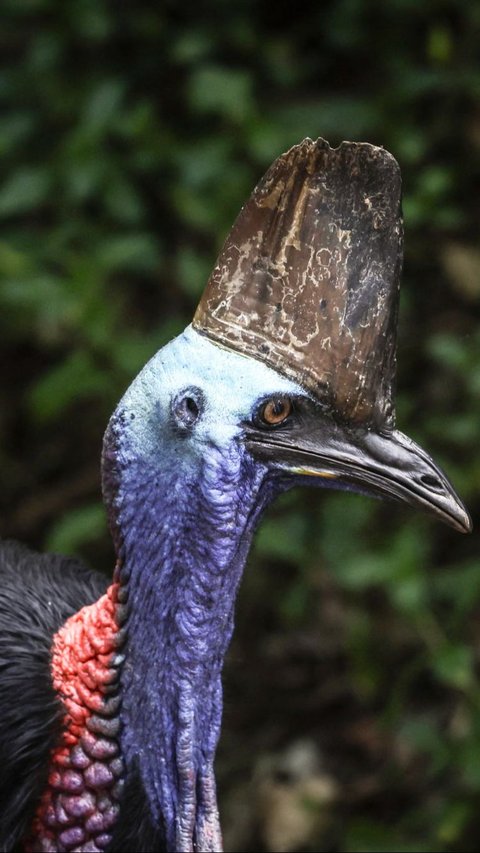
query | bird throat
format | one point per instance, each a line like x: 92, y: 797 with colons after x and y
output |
x: 138, y: 672
x: 182, y: 576
x: 80, y: 804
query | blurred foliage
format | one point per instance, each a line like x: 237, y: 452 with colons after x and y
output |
x: 130, y: 135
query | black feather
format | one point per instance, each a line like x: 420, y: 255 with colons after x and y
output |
x: 37, y: 594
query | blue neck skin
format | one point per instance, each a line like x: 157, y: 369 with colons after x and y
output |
x: 183, y: 514
x: 182, y: 573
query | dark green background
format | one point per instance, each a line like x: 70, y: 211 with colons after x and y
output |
x: 130, y: 135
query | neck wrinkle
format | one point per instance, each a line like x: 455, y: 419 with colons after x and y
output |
x: 183, y: 549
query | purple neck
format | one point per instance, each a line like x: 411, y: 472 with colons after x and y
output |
x: 183, y: 537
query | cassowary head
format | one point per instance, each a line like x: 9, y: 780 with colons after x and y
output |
x: 290, y: 360
x: 285, y: 377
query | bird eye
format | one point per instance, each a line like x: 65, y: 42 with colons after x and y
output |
x: 275, y: 411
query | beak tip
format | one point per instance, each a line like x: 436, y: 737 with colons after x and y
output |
x: 465, y: 521
x: 455, y: 515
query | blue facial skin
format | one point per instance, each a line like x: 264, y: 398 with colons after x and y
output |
x: 184, y: 496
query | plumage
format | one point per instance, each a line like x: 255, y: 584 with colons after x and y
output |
x: 111, y: 695
x: 38, y: 593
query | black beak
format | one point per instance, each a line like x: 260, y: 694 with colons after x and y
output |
x: 381, y: 464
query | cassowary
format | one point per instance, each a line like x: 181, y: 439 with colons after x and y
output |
x: 111, y: 695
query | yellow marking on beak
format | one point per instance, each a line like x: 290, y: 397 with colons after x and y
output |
x: 311, y: 473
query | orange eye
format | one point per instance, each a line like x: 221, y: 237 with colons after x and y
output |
x: 276, y: 411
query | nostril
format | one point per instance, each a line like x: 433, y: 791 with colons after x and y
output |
x: 431, y: 482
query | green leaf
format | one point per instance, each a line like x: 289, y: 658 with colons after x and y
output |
x: 193, y: 271
x: 454, y: 665
x: 74, y: 379
x: 440, y: 45
x: 102, y: 105
x: 14, y: 129
x: 136, y: 252
x: 369, y: 836
x: 123, y: 201
x: 282, y: 537
x: 221, y: 90
x: 13, y: 262
x: 335, y: 118
x: 24, y: 191
x: 76, y: 528
x: 453, y: 821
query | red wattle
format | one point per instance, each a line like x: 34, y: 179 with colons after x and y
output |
x: 80, y: 801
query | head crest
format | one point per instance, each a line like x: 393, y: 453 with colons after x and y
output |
x: 308, y: 278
